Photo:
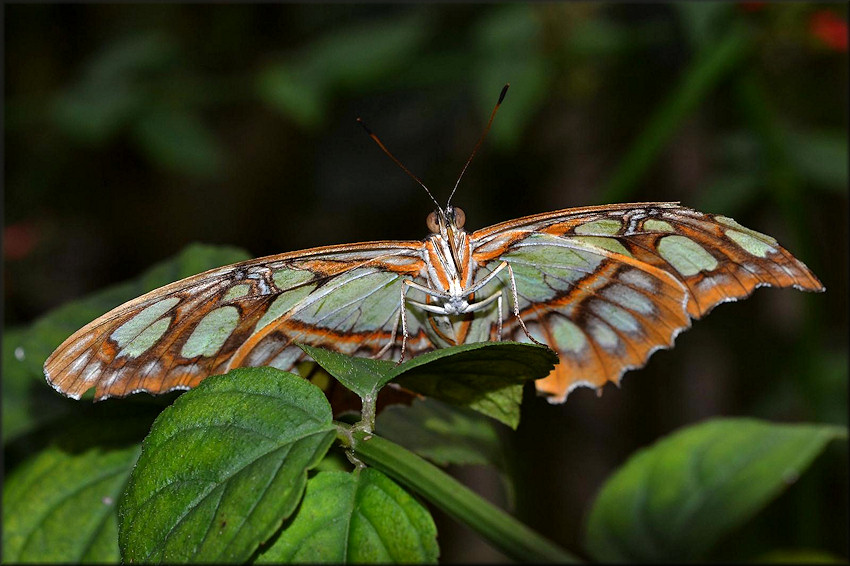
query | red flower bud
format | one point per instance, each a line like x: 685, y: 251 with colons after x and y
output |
x: 830, y: 29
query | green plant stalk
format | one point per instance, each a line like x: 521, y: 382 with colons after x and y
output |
x: 503, y: 531
x: 717, y: 61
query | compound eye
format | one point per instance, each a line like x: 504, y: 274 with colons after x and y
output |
x: 432, y: 223
x: 460, y: 217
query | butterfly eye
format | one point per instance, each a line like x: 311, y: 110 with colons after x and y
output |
x: 460, y: 217
x: 432, y: 223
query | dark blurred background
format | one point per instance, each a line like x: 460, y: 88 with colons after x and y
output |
x: 133, y: 130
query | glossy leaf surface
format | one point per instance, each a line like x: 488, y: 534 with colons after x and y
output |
x: 356, y: 517
x: 223, y: 467
x: 674, y: 500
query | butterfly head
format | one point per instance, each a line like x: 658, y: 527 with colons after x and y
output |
x: 449, y: 238
x: 444, y: 221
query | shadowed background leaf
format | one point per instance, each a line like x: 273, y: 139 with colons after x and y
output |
x: 61, y: 504
x: 676, y: 499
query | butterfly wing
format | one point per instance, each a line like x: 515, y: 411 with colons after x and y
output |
x: 248, y: 314
x: 606, y: 286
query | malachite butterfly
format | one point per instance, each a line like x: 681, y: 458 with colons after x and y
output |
x: 604, y: 286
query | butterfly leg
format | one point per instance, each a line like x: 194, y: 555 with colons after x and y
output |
x: 394, y: 333
x: 485, y: 303
x: 499, y: 331
x: 516, y: 306
x: 402, y: 308
x: 487, y: 279
x: 405, y: 285
x: 498, y: 296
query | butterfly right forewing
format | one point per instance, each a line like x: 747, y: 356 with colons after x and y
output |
x: 248, y: 314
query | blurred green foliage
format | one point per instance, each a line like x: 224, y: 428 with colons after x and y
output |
x: 132, y: 130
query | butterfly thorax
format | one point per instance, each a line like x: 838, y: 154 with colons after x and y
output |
x: 449, y: 259
x: 450, y: 268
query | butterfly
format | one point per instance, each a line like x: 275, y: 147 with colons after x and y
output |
x: 603, y: 286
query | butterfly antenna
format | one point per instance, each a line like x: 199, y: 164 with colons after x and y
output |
x: 377, y: 140
x: 480, y: 140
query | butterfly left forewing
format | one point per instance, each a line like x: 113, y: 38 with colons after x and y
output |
x: 251, y: 313
x: 715, y: 257
x: 606, y: 286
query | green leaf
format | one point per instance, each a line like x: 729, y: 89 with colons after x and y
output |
x: 704, y: 22
x: 384, y: 46
x: 674, y: 500
x: 821, y: 157
x: 193, y: 259
x: 592, y: 38
x: 25, y: 350
x: 485, y: 376
x: 60, y: 505
x: 507, y: 46
x: 363, y: 376
x: 112, y: 87
x: 302, y: 86
x: 442, y: 433
x: 223, y: 467
x: 94, y: 113
x: 730, y: 192
x: 177, y: 139
x: 356, y: 517
x: 294, y: 92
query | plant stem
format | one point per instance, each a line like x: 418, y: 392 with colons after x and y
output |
x: 503, y: 531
